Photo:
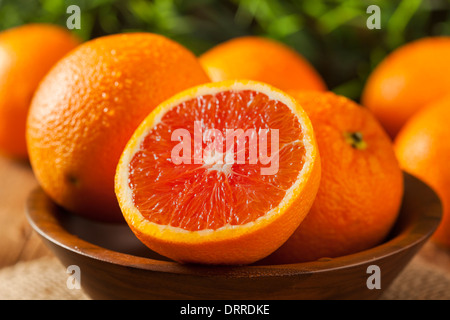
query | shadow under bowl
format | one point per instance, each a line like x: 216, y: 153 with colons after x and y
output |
x: 114, y: 264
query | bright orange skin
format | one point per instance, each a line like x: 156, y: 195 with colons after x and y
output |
x: 360, y: 191
x: 423, y: 149
x: 89, y: 105
x: 26, y: 55
x: 407, y: 80
x: 260, y: 59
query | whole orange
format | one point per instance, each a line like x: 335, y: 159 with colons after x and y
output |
x: 423, y: 149
x: 361, y: 188
x: 26, y: 54
x: 408, y: 79
x: 89, y: 105
x: 261, y: 59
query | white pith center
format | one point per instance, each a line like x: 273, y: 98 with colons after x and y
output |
x: 216, y: 160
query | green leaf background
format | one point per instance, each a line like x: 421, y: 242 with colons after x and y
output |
x: 331, y: 34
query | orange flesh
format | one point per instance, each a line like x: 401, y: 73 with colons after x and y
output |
x: 209, y: 196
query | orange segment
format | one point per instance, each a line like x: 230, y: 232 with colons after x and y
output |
x: 226, y: 206
x: 215, y: 196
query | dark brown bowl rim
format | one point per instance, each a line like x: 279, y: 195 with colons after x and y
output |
x: 48, y: 227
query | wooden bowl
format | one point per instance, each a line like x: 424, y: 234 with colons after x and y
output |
x: 115, y: 265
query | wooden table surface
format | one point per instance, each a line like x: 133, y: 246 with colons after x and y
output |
x: 18, y: 241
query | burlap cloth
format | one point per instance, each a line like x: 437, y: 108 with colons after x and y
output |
x: 45, y: 279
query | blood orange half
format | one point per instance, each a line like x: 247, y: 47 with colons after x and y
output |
x: 222, y: 173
